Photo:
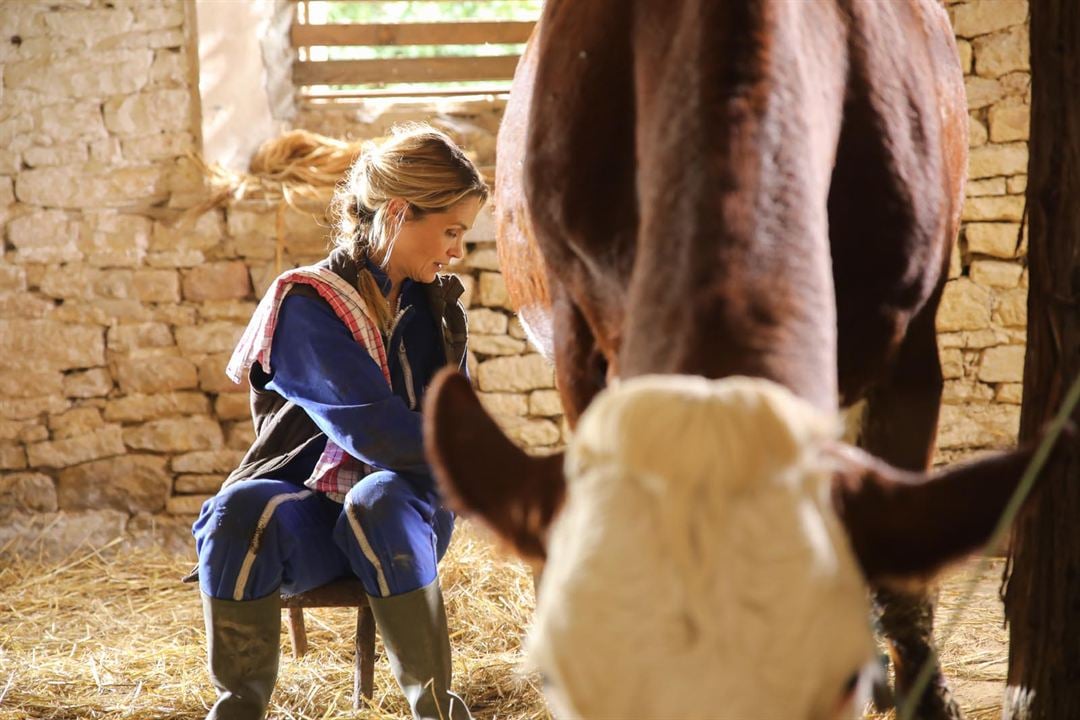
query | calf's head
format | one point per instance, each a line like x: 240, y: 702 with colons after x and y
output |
x: 702, y: 553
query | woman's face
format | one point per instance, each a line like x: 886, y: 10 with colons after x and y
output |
x: 426, y: 245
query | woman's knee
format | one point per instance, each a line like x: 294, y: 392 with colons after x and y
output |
x: 388, y: 531
x: 258, y: 534
x: 381, y: 497
x: 233, y: 514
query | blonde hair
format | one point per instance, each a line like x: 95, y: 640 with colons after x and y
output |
x: 417, y: 164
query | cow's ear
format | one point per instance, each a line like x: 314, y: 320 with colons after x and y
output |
x: 905, y: 526
x: 482, y: 473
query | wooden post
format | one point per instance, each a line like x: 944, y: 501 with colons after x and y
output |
x: 364, y: 677
x: 1042, y: 598
x: 297, y: 632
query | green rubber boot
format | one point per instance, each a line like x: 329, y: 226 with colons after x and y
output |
x: 413, y: 630
x: 242, y: 646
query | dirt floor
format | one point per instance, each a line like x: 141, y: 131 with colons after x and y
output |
x: 117, y: 636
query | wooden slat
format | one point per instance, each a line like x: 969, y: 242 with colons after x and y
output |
x: 387, y: 2
x: 500, y: 89
x: 462, y: 33
x: 404, y: 70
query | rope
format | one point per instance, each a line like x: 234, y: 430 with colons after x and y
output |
x: 907, y: 709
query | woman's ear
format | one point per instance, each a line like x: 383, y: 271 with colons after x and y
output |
x: 397, y: 209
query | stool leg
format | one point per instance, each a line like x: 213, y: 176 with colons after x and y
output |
x: 297, y: 632
x: 364, y: 678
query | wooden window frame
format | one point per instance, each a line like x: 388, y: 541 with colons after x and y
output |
x: 491, y: 74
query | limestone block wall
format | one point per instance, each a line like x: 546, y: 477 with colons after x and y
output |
x: 116, y: 320
x: 101, y: 342
x: 116, y: 419
x: 983, y: 316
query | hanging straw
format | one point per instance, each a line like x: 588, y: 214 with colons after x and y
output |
x: 296, y: 166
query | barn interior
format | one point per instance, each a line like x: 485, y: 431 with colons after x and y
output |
x: 139, y: 236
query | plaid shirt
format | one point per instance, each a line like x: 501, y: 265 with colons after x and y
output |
x: 336, y: 471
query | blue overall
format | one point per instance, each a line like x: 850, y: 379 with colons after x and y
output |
x: 258, y: 535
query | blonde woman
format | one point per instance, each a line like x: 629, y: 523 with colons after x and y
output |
x: 338, y: 356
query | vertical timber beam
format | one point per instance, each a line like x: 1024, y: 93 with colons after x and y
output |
x: 1042, y: 597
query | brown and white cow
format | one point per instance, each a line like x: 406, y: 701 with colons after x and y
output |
x: 722, y: 221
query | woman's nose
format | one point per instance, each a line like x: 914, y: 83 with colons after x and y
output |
x: 457, y: 250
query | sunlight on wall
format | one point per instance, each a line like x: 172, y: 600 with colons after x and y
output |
x: 244, y: 76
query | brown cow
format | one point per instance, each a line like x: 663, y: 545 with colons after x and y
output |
x: 728, y: 190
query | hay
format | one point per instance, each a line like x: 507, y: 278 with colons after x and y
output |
x: 298, y: 168
x: 975, y: 656
x: 116, y: 635
x: 300, y: 158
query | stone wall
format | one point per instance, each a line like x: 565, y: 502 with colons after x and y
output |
x: 101, y: 343
x: 115, y: 416
x: 983, y: 316
x: 116, y: 321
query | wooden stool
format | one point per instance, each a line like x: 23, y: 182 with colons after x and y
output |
x: 340, y: 593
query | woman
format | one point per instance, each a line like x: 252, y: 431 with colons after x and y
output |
x: 338, y: 356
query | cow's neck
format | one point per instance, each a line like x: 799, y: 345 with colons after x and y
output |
x: 735, y: 144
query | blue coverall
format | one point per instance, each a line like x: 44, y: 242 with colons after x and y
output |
x: 258, y: 535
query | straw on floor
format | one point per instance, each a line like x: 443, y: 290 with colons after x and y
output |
x: 118, y: 636
x: 975, y: 657
x: 115, y: 635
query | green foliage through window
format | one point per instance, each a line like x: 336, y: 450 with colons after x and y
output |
x: 335, y: 12
x: 431, y: 11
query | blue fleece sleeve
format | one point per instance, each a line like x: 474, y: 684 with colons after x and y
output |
x: 315, y: 362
